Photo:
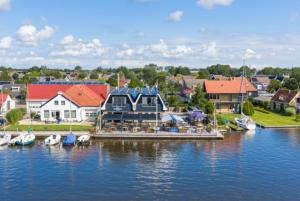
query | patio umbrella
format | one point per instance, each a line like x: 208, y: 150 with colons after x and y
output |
x: 172, y: 118
x: 198, y: 116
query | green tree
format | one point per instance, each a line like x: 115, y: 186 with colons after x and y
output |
x: 15, y: 76
x: 199, y: 98
x: 78, y: 68
x: 135, y: 83
x: 248, y: 108
x: 173, y: 100
x: 291, y: 84
x: 15, y: 115
x: 274, y: 86
x: 113, y: 81
x: 150, y: 74
x: 220, y: 69
x: 5, y: 76
x: 94, y: 75
x: 82, y: 75
x: 209, y: 107
x: 203, y: 74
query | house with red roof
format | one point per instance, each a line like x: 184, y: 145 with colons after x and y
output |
x: 285, y: 98
x: 69, y: 102
x: 6, y: 103
x: 226, y: 94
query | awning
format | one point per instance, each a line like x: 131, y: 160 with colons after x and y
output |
x: 131, y: 117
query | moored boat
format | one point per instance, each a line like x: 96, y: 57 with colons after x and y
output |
x: 70, y: 139
x: 5, y: 139
x: 246, y: 123
x: 14, y: 140
x: 84, y: 139
x: 53, y: 140
x: 26, y: 139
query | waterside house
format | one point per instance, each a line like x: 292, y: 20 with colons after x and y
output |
x: 130, y: 105
x: 66, y: 101
x: 227, y: 94
x: 284, y: 98
x: 6, y: 103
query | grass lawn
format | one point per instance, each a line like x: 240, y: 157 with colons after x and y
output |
x: 267, y: 118
x: 49, y: 127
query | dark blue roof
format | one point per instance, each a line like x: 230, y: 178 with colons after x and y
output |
x: 135, y: 92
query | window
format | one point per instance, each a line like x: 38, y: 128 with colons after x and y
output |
x: 63, y: 102
x: 67, y: 114
x: 55, y: 102
x: 46, y: 114
x: 73, y: 114
x: 149, y: 101
x: 119, y: 101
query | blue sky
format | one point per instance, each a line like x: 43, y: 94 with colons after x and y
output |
x: 195, y: 33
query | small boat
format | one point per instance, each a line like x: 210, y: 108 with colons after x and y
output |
x: 70, y: 139
x: 84, y: 139
x: 52, y: 140
x: 5, y: 139
x: 26, y: 139
x: 13, y: 141
x: 246, y: 123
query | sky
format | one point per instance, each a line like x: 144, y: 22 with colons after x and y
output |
x: 111, y: 33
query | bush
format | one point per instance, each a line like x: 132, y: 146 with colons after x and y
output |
x: 15, y: 115
x: 298, y: 117
x: 221, y: 121
x: 209, y: 107
x: 248, y: 108
x: 289, y: 111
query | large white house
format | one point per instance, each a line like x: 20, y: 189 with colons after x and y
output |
x: 67, y: 102
x: 6, y: 103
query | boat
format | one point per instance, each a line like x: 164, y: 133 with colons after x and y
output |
x: 70, y: 139
x: 246, y: 123
x: 26, y: 139
x: 84, y: 139
x: 14, y: 140
x: 5, y: 139
x: 53, y: 140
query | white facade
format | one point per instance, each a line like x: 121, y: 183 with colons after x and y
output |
x: 8, y: 105
x: 61, y: 108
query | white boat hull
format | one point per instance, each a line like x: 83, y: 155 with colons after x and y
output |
x: 27, y: 139
x: 53, y: 140
x: 250, y: 125
x: 5, y: 139
x: 83, y: 139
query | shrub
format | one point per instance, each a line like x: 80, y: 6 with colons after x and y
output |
x: 289, y: 111
x: 221, y: 121
x: 298, y: 117
x: 15, y: 115
x: 209, y: 107
x: 248, y: 108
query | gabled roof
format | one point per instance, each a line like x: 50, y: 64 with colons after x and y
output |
x: 284, y: 95
x: 84, y: 96
x: 135, y: 92
x: 3, y: 98
x: 46, y: 91
x: 228, y: 86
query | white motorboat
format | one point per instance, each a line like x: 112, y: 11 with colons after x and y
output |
x: 84, y: 139
x: 246, y: 123
x: 14, y: 140
x: 5, y: 139
x: 53, y: 140
x: 26, y: 139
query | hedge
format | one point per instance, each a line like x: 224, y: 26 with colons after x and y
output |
x: 15, y: 115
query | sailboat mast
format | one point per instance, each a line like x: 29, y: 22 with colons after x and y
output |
x: 241, y: 87
x: 156, y: 120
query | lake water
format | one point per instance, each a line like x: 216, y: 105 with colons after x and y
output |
x: 260, y: 166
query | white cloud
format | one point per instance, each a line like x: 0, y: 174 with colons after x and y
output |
x: 5, y: 4
x: 160, y: 47
x: 176, y: 16
x: 72, y: 47
x: 31, y: 35
x: 212, y: 3
x: 6, y: 42
x: 211, y: 50
x: 251, y: 54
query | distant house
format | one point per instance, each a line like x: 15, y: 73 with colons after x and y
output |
x: 189, y: 83
x: 46, y: 78
x: 261, y: 82
x: 226, y: 94
x: 284, y: 98
x: 6, y: 103
x: 129, y: 104
x: 15, y: 90
x: 74, y: 101
x: 219, y: 77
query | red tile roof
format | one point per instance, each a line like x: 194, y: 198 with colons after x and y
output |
x: 284, y: 95
x: 3, y: 98
x: 81, y: 93
x: 228, y: 86
x: 84, y: 96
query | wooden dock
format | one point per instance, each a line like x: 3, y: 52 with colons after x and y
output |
x: 140, y: 135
